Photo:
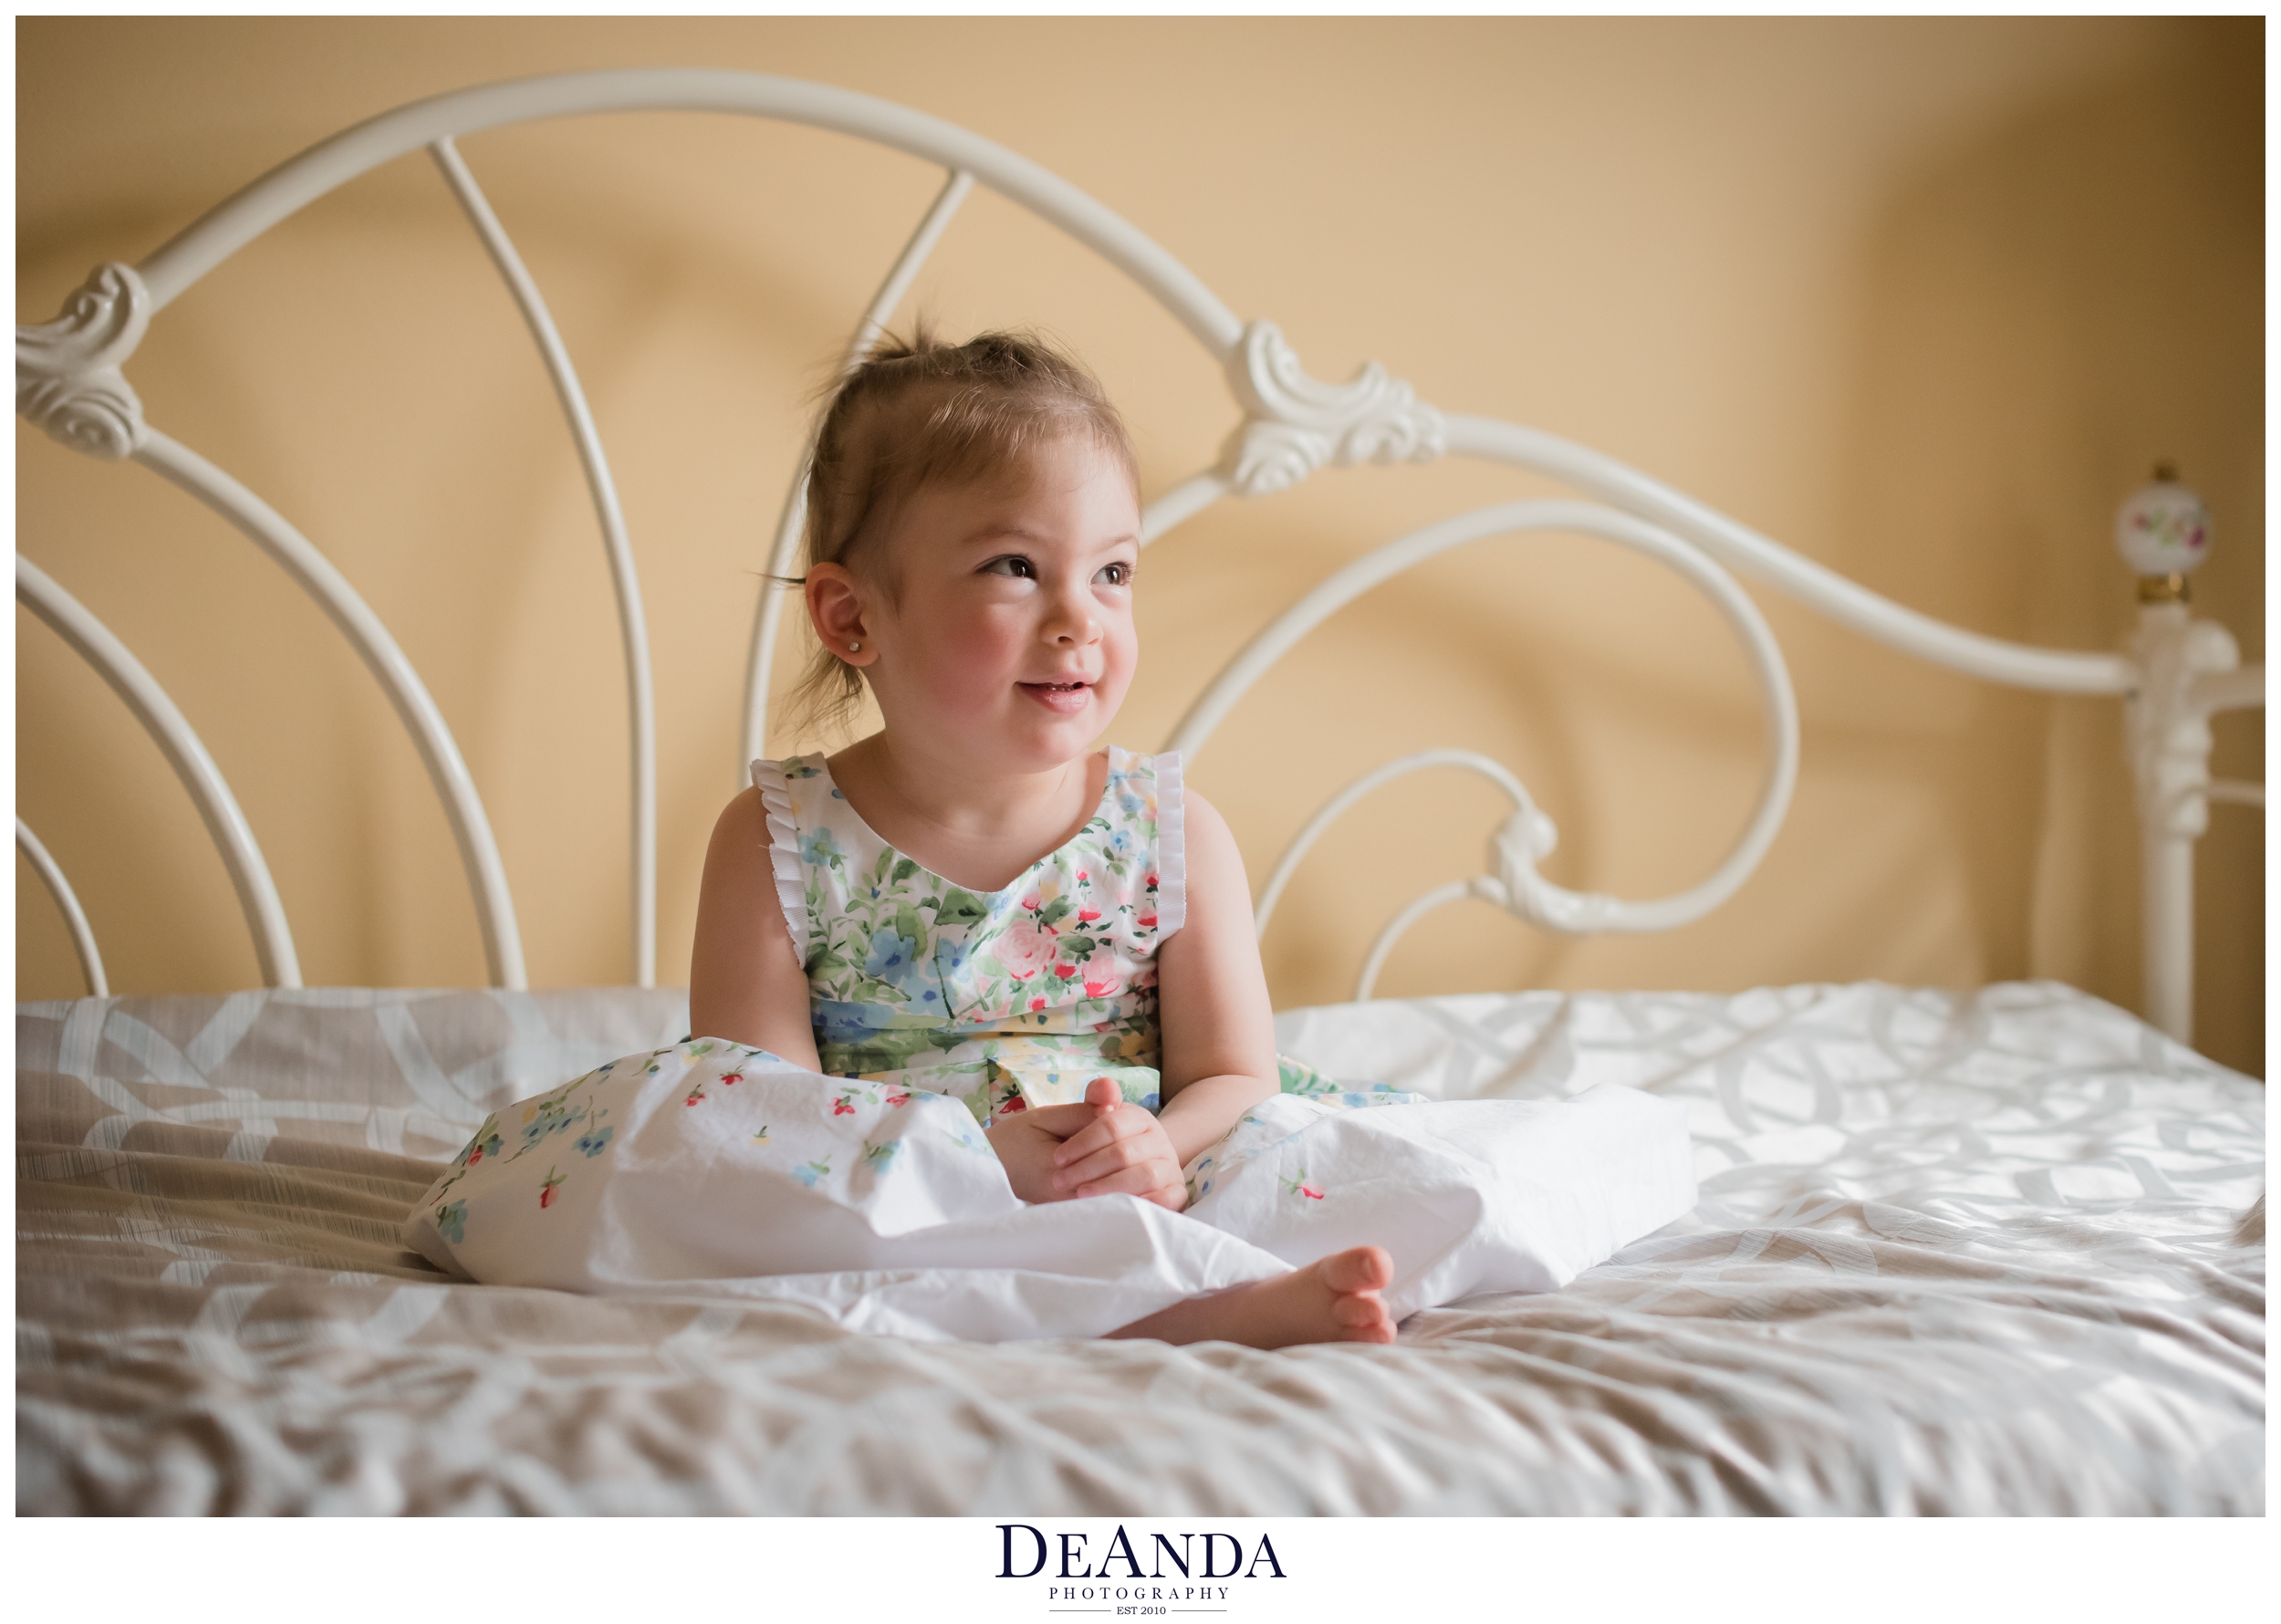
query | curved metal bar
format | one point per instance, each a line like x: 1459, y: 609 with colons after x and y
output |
x: 479, y: 852
x: 1440, y: 896
x: 1815, y: 585
x: 632, y: 627
x: 768, y: 619
x: 1529, y: 834
x: 912, y: 260
x: 74, y: 916
x: 1332, y: 809
x: 1183, y: 502
x: 2242, y: 689
x: 232, y: 835
x: 245, y: 215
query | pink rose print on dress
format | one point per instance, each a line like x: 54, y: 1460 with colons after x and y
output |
x: 732, y: 1078
x: 1099, y: 972
x: 841, y: 1108
x: 1025, y: 948
x: 546, y: 1191
x: 1299, y: 1187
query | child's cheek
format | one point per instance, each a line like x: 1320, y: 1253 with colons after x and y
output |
x: 1118, y: 668
x: 975, y: 660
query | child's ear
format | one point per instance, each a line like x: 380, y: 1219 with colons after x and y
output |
x: 834, y: 609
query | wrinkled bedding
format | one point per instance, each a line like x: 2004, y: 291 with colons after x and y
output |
x: 1990, y: 1253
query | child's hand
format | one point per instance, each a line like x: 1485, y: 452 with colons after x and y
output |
x: 1124, y: 1151
x: 1026, y: 1142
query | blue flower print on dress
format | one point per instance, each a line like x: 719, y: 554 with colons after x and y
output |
x: 950, y: 957
x: 594, y: 1142
x: 882, y: 1154
x: 891, y: 956
x: 807, y: 1172
x: 819, y: 849
x: 451, y: 1221
x: 486, y: 1142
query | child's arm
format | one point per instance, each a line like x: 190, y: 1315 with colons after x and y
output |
x: 1219, y: 1040
x: 746, y: 983
x: 1219, y: 1029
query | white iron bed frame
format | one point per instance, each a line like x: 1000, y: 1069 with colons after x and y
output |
x: 2176, y: 672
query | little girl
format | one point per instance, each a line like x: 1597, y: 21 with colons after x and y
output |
x: 974, y: 921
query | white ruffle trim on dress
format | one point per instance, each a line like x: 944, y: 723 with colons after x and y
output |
x: 1171, y: 847
x: 784, y: 852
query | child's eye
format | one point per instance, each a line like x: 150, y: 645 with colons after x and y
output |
x: 1013, y: 564
x: 1114, y: 575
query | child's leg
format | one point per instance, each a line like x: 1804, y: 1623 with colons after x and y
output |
x: 1333, y: 1299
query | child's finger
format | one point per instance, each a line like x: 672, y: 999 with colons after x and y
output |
x: 1142, y: 1179
x: 1103, y: 1130
x: 1109, y: 1159
x: 1082, y: 1143
x: 1061, y: 1120
x: 1101, y: 1165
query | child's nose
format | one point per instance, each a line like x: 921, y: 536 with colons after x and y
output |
x: 1073, y: 625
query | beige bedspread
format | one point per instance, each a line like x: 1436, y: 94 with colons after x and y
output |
x: 1997, y: 1252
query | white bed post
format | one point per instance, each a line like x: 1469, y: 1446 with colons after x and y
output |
x: 2187, y: 669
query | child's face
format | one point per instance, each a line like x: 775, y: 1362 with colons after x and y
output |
x: 1010, y: 639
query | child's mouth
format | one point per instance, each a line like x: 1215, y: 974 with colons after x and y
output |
x: 1059, y: 696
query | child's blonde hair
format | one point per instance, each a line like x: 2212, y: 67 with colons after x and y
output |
x: 921, y: 412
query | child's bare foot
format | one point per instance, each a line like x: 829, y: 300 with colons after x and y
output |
x: 1334, y: 1299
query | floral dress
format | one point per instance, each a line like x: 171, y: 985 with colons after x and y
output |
x: 1008, y: 999
x: 872, y: 1195
x: 1005, y: 1000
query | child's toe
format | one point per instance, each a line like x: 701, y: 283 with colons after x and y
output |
x: 1360, y: 1268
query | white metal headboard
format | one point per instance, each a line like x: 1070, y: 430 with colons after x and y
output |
x: 2176, y: 672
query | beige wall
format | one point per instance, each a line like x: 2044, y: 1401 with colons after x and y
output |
x: 1921, y: 298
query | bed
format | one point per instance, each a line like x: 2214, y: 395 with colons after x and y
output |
x: 1994, y: 1252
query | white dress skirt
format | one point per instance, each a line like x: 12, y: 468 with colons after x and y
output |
x: 711, y: 1169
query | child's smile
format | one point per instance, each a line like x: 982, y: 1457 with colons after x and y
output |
x: 1065, y: 698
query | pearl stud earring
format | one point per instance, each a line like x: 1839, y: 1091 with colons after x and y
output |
x: 853, y: 647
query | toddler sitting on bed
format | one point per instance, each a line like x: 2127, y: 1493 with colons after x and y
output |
x: 984, y: 1048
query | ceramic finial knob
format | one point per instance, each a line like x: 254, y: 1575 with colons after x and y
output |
x: 2162, y: 532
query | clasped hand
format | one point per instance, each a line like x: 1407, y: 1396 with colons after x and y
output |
x: 1101, y: 1146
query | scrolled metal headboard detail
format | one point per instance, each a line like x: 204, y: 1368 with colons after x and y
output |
x: 70, y: 381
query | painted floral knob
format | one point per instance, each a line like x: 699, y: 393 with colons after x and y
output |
x: 2162, y: 532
